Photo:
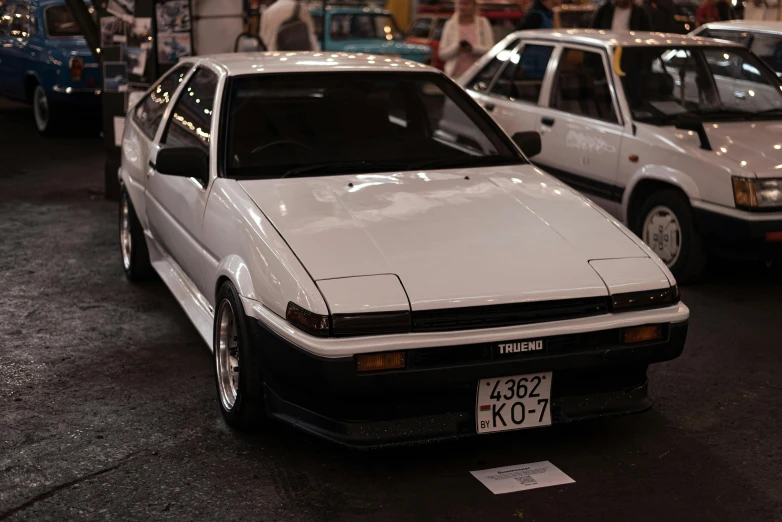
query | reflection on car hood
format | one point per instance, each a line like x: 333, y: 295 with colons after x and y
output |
x: 454, y: 237
x: 754, y: 145
x: 377, y: 46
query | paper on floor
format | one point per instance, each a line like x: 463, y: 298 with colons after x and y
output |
x: 522, y: 477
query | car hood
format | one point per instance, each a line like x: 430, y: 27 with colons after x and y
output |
x: 385, y: 47
x: 455, y: 238
x: 753, y: 145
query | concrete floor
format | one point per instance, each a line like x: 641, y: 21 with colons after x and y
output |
x: 108, y: 409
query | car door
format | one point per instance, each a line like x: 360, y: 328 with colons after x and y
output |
x: 175, y: 205
x: 580, y: 125
x: 17, y: 55
x: 514, y: 96
x: 6, y: 43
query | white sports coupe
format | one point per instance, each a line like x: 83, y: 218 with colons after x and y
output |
x: 366, y: 275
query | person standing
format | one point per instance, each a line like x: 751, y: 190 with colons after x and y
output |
x: 661, y: 16
x: 620, y: 15
x: 466, y: 37
x: 540, y: 16
x: 286, y: 25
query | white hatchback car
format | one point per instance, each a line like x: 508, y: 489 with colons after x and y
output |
x: 763, y: 38
x: 679, y: 137
x: 366, y: 275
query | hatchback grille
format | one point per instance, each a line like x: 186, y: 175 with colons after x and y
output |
x: 494, y: 316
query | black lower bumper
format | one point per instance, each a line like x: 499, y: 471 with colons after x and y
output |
x: 739, y: 238
x: 435, y: 397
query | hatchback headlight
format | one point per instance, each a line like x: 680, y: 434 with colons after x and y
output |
x: 644, y: 300
x: 757, y: 193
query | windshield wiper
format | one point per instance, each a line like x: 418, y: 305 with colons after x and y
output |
x: 324, y: 168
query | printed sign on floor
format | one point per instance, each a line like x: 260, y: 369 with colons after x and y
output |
x: 522, y: 477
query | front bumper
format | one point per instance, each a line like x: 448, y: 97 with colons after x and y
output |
x: 735, y: 236
x: 435, y: 397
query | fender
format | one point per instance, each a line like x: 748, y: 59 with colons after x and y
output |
x: 237, y: 271
x: 663, y: 173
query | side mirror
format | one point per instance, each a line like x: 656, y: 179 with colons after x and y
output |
x: 528, y: 142
x: 187, y: 162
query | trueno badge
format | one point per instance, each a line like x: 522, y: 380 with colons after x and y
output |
x: 522, y: 346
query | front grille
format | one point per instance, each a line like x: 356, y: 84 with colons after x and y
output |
x: 494, y: 316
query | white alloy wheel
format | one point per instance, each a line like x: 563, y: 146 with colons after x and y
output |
x: 227, y: 355
x: 662, y: 232
x: 41, y: 109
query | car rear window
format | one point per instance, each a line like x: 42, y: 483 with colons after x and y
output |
x: 60, y: 22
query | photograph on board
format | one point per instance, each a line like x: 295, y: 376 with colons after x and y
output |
x: 112, y: 31
x: 140, y: 33
x: 173, y: 46
x: 136, y: 58
x: 173, y: 16
x: 124, y: 9
x: 115, y: 77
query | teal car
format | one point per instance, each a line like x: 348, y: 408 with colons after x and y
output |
x: 365, y: 30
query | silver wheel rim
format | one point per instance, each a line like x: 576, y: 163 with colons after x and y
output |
x: 40, y: 108
x: 126, y: 242
x: 663, y: 234
x: 227, y: 355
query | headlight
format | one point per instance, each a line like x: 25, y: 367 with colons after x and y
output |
x: 757, y: 193
x: 632, y: 301
x: 307, y: 321
x: 344, y: 325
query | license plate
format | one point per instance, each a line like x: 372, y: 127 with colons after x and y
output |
x: 514, y: 403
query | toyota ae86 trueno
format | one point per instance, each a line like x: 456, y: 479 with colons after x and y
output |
x: 366, y: 275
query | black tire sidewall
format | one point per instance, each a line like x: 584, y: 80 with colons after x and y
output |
x: 248, y: 412
x: 139, y: 268
x: 688, y: 263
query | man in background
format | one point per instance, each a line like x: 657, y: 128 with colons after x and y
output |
x: 286, y: 25
x: 620, y: 15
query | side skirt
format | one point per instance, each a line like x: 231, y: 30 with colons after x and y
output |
x: 186, y: 293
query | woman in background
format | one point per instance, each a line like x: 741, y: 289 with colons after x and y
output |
x: 466, y: 37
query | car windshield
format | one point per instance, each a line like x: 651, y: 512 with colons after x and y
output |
x: 364, y: 26
x: 716, y: 83
x: 60, y: 22
x: 334, y: 123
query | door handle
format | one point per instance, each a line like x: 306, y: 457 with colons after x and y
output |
x: 489, y: 107
x: 548, y: 122
x: 741, y: 95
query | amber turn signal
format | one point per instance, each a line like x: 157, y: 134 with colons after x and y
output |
x: 371, y: 362
x: 647, y: 332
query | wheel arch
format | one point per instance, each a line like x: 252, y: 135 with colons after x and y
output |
x: 30, y: 82
x: 652, y: 178
x: 235, y: 270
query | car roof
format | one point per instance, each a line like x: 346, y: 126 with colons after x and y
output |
x: 603, y: 38
x: 291, y: 62
x: 769, y: 26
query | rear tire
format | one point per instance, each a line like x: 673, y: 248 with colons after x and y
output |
x: 45, y: 112
x: 133, y: 245
x: 238, y: 376
x: 665, y: 222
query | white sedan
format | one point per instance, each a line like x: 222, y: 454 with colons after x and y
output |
x: 677, y: 136
x: 368, y: 276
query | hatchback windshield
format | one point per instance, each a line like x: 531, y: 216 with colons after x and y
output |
x: 364, y: 26
x: 330, y: 123
x: 716, y: 83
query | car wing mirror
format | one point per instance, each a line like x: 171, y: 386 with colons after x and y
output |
x: 693, y: 122
x: 529, y: 142
x: 186, y: 162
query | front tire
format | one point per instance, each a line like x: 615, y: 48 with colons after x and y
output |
x: 665, y: 222
x: 237, y: 364
x: 45, y: 112
x: 133, y: 245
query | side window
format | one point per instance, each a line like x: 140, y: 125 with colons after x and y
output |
x: 581, y: 86
x: 190, y: 124
x: 149, y: 112
x: 6, y: 15
x: 420, y: 28
x: 522, y: 79
x: 483, y: 79
x: 20, y: 24
x: 732, y: 36
x: 769, y: 49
